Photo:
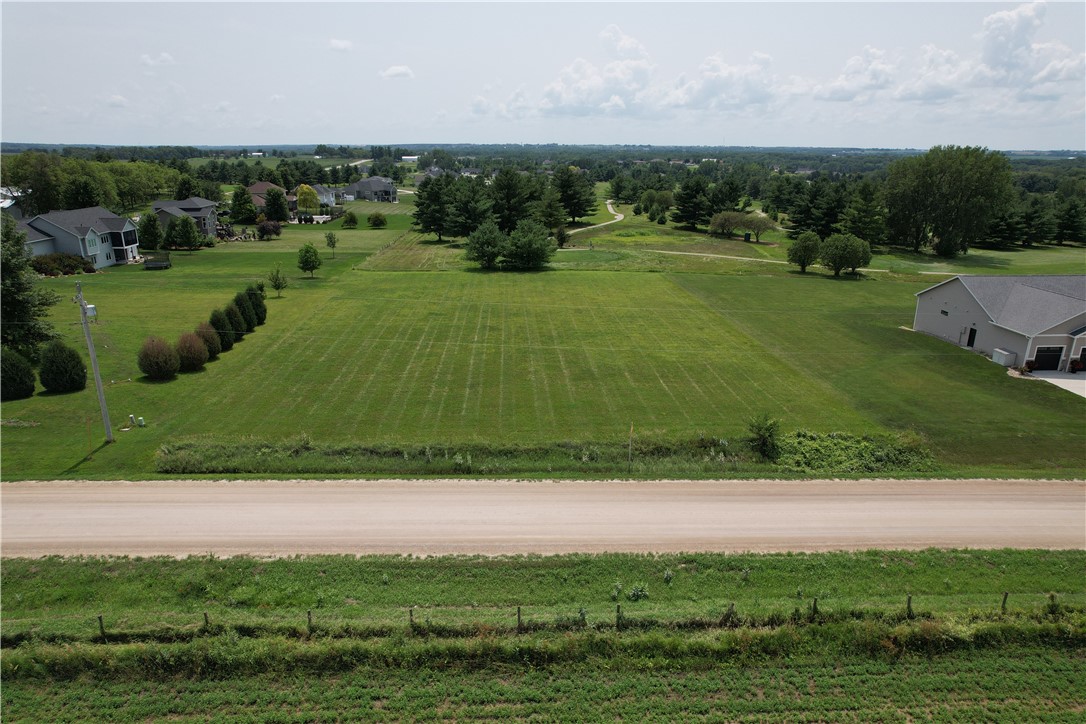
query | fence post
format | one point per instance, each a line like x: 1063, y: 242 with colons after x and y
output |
x: 1003, y: 606
x: 909, y: 606
x: 618, y: 617
x: 814, y: 608
x: 520, y: 625
x: 102, y: 628
x: 207, y: 621
x: 309, y: 621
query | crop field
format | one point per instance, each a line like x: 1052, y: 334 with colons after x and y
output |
x: 364, y: 352
x: 856, y: 654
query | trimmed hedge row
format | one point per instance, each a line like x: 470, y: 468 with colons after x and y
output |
x: 161, y: 361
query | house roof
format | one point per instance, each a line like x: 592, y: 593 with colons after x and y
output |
x: 32, y: 234
x: 373, y: 183
x: 80, y: 221
x: 192, y: 203
x: 1028, y: 304
x: 261, y: 187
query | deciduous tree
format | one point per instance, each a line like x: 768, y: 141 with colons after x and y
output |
x: 309, y: 259
x: 330, y: 241
x: 149, y: 231
x: 308, y: 199
x: 486, y: 245
x: 804, y: 251
x: 278, y: 280
x: 24, y: 305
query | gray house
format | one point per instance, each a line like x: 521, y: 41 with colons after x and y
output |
x: 374, y: 188
x: 202, y: 211
x: 93, y: 233
x: 1014, y: 319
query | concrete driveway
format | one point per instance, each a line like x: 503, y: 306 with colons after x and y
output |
x: 1071, y: 382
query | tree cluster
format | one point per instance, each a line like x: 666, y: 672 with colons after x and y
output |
x: 528, y: 247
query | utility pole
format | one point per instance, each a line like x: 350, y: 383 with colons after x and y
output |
x: 83, y: 312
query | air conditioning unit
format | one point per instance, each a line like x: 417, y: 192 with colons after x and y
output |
x: 1003, y: 357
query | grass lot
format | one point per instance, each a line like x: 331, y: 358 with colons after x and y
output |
x: 678, y: 345
x: 859, y: 658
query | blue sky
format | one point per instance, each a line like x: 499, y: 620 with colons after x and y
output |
x: 876, y: 74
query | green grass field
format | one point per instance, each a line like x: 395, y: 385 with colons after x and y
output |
x: 860, y: 658
x: 365, y: 352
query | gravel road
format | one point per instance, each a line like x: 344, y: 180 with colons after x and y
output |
x: 277, y: 518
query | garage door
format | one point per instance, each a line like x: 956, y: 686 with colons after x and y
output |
x: 1048, y: 358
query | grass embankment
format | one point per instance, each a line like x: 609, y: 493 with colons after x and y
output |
x: 858, y: 652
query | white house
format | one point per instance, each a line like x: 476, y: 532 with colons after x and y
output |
x: 1014, y: 319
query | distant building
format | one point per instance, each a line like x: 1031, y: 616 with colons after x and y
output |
x: 374, y: 188
x: 202, y: 211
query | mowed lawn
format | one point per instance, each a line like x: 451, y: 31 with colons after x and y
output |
x: 446, y: 357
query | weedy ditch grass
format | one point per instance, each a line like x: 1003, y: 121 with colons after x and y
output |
x: 1017, y: 684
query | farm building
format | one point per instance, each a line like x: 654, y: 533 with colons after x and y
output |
x: 1014, y: 319
x: 93, y: 233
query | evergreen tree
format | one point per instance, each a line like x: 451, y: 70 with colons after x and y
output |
x: 512, y: 196
x: 1071, y: 222
x: 529, y: 246
x: 486, y: 245
x: 237, y: 322
x: 210, y: 338
x: 692, y: 203
x: 576, y: 192
x: 62, y: 369
x: 158, y: 359
x: 149, y: 231
x: 187, y: 187
x: 471, y: 206
x: 182, y: 234
x: 433, y: 206
x: 16, y: 376
x: 864, y: 216
x: 275, y: 206
x: 248, y: 314
x: 549, y: 210
x: 24, y: 306
x: 256, y: 298
x: 223, y: 328
x: 242, y: 208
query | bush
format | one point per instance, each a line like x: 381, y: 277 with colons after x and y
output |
x: 53, y: 265
x: 62, y: 369
x: 16, y: 376
x: 224, y: 329
x: 486, y: 245
x: 237, y: 322
x: 248, y: 314
x: 350, y: 220
x: 192, y: 353
x: 268, y: 229
x: 210, y: 338
x: 256, y: 299
x: 764, y: 437
x: 529, y: 246
x: 158, y: 360
x: 377, y: 220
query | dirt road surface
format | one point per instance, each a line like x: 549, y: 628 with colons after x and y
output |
x: 178, y: 518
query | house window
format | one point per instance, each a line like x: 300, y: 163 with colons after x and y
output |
x: 944, y: 312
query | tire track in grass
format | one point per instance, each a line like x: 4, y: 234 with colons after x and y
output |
x: 412, y: 369
x: 599, y: 384
x: 541, y: 397
x: 567, y: 376
x: 724, y: 383
x: 442, y: 379
x: 363, y: 401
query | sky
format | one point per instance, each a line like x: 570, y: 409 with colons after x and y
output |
x: 859, y: 74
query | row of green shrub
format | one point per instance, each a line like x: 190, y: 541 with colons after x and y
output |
x: 216, y: 656
x: 60, y: 264
x: 160, y: 360
x: 701, y: 456
x: 61, y: 370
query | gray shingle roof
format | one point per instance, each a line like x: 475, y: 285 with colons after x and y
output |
x: 82, y: 220
x: 193, y: 203
x: 32, y: 234
x: 1029, y: 304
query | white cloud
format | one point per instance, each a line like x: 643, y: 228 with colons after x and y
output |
x: 397, y: 71
x: 941, y: 76
x: 160, y: 59
x: 117, y: 101
x: 623, y: 45
x: 863, y: 74
x: 721, y: 85
x: 341, y: 45
x: 223, y: 107
x: 277, y: 98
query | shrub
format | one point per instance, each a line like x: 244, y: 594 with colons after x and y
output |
x: 764, y: 434
x: 158, y: 360
x: 62, y: 369
x: 192, y: 353
x: 16, y: 376
x: 637, y: 593
x: 210, y: 338
x: 223, y: 328
x: 248, y: 314
x: 377, y: 220
x: 486, y: 244
x: 256, y: 298
x: 237, y: 322
x: 350, y: 220
x: 58, y: 264
x: 268, y: 229
x: 529, y: 246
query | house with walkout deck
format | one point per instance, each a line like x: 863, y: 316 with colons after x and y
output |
x: 93, y: 233
x: 202, y: 211
x: 1037, y: 321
